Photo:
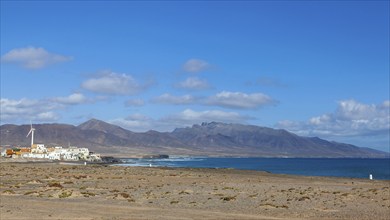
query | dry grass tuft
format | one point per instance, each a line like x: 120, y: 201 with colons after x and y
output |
x: 228, y: 198
x: 55, y: 184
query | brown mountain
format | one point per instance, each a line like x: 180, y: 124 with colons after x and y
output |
x: 208, y: 139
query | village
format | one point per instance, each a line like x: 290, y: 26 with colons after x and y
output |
x: 39, y: 151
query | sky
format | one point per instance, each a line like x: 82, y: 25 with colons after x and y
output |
x: 315, y: 68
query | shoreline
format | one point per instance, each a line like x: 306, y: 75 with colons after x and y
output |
x: 57, y: 191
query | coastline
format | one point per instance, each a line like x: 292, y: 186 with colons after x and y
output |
x: 362, y: 168
x: 86, y: 192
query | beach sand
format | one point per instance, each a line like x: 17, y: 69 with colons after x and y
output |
x: 58, y: 191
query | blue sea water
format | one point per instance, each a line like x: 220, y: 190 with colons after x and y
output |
x: 334, y: 167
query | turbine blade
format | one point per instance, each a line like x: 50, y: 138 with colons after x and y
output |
x: 29, y: 132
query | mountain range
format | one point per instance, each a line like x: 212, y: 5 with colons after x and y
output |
x: 206, y: 139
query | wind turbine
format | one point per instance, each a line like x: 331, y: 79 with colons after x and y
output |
x: 32, y: 134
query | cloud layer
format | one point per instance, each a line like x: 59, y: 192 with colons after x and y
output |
x: 112, y: 83
x: 187, y: 117
x: 351, y: 118
x: 175, y: 100
x: 240, y: 100
x: 195, y: 66
x: 73, y: 99
x: 38, y: 110
x: 33, y: 57
x: 25, y: 109
x: 134, y: 103
x: 224, y: 99
x: 193, y: 83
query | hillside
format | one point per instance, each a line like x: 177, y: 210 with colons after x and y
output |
x: 207, y: 139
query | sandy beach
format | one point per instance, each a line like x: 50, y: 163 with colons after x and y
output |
x: 59, y: 191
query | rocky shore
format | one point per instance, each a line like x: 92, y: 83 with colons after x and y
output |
x: 57, y: 191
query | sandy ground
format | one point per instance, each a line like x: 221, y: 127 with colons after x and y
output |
x: 57, y: 191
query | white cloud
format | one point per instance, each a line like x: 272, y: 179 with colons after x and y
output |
x: 47, y: 116
x: 193, y: 83
x: 25, y: 110
x: 176, y: 100
x: 195, y: 65
x: 237, y: 100
x: 43, y: 110
x: 351, y: 110
x: 33, y: 57
x: 351, y: 118
x: 135, y: 122
x: 73, y: 99
x: 113, y: 84
x: 240, y: 100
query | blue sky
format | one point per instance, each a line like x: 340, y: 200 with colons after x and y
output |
x: 316, y: 68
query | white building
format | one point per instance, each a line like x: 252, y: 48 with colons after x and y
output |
x: 4, y: 153
x: 39, y: 151
x: 34, y: 155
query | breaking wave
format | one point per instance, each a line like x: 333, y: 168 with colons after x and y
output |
x: 169, y: 162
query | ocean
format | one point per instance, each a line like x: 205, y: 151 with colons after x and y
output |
x: 332, y: 167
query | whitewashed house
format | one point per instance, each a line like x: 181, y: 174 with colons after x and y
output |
x: 4, y: 153
x: 39, y: 149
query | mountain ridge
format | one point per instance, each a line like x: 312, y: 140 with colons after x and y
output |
x: 205, y: 139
